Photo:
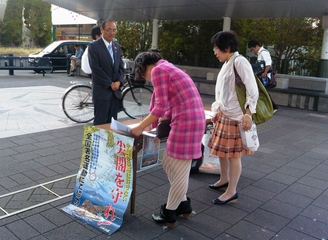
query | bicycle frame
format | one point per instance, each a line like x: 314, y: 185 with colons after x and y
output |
x: 73, y: 86
x: 128, y: 84
x: 76, y: 107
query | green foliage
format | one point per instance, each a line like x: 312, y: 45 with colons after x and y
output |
x: 134, y: 37
x: 12, y: 23
x: 37, y: 17
x: 193, y: 37
x: 188, y: 36
x: 290, y: 37
x: 1, y: 25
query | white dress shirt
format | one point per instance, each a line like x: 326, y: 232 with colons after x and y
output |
x: 85, y: 66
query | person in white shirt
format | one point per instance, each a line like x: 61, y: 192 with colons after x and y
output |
x: 263, y: 55
x: 225, y: 141
x: 85, y: 66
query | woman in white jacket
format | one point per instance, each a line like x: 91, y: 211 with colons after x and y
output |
x: 225, y: 141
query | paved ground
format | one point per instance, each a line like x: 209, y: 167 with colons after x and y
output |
x: 283, y: 190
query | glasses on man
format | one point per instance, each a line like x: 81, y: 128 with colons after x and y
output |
x: 110, y: 30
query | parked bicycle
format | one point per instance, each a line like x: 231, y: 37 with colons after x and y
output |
x: 77, y: 100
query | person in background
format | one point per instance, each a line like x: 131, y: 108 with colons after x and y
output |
x: 181, y: 57
x: 107, y: 74
x: 176, y: 97
x: 225, y: 141
x: 76, y: 59
x: 85, y: 66
x: 263, y: 55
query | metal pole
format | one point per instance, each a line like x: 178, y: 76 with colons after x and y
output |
x: 11, y: 63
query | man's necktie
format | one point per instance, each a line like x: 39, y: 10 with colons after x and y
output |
x: 110, y: 49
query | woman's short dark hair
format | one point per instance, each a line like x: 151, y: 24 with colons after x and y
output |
x: 225, y: 40
x: 142, y: 61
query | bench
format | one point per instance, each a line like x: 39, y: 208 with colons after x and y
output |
x: 12, y: 63
x: 300, y: 98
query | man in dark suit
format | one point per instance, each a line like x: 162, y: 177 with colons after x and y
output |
x: 107, y: 74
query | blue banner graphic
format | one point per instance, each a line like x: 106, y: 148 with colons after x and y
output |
x: 104, y: 180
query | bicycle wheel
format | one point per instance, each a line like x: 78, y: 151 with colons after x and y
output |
x: 77, y: 104
x: 136, y: 101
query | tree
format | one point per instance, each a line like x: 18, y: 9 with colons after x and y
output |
x: 189, y: 36
x: 192, y: 37
x: 291, y: 37
x: 37, y: 16
x: 134, y: 37
x: 1, y: 25
x: 12, y: 29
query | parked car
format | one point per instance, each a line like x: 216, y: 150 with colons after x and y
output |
x: 58, y: 52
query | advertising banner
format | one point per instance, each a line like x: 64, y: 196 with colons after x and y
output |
x: 104, y: 180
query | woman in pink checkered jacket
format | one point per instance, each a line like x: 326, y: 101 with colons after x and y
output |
x: 176, y: 97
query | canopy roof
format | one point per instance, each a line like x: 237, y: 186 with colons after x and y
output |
x: 143, y: 10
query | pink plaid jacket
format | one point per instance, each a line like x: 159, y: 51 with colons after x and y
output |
x: 176, y: 96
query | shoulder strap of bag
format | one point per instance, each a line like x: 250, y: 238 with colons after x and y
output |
x: 270, y: 70
x: 264, y: 109
x: 240, y: 88
x: 265, y: 50
x: 238, y: 80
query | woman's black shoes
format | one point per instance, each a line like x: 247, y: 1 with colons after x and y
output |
x: 230, y: 200
x: 169, y: 216
x: 212, y: 186
x: 184, y: 208
x: 165, y: 215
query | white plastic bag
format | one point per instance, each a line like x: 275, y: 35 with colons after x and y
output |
x: 211, y: 163
x: 250, y: 138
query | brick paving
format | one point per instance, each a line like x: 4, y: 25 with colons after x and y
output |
x: 283, y: 189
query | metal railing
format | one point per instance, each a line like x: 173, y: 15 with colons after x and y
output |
x: 11, y: 63
x: 297, y: 66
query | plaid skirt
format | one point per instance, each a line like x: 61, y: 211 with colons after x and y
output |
x: 225, y: 141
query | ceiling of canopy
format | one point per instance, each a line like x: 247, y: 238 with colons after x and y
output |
x: 143, y: 10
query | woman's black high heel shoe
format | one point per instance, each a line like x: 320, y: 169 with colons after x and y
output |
x: 230, y: 200
x: 212, y: 186
x: 165, y: 215
x: 184, y: 208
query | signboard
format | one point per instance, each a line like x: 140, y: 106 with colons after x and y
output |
x: 104, y: 180
x: 150, y: 150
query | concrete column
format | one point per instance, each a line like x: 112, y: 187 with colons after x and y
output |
x: 323, y: 65
x: 226, y: 23
x: 154, y: 43
x: 324, y: 51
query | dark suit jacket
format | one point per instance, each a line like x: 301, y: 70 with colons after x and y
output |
x: 103, y: 70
